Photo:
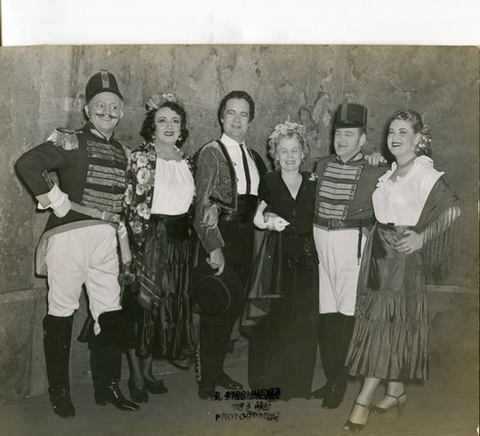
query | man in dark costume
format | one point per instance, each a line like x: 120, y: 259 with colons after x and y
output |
x: 227, y: 179
x: 79, y: 244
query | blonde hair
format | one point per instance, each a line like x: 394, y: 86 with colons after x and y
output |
x: 287, y: 130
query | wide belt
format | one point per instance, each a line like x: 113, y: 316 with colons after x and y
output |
x: 96, y: 213
x: 335, y: 224
x: 246, y: 205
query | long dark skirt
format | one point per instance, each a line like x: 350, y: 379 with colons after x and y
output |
x: 390, y: 338
x: 166, y: 330
x: 283, y: 346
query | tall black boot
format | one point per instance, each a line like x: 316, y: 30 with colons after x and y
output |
x: 106, y: 361
x: 213, y: 349
x: 343, y: 326
x: 57, y: 332
x: 326, y: 338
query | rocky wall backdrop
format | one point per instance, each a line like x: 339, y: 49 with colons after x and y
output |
x: 42, y: 88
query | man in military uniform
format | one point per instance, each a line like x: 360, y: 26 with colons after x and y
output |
x: 227, y: 179
x: 79, y: 244
x: 343, y: 214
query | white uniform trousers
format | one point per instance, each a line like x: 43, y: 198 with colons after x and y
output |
x: 338, y: 269
x: 87, y: 255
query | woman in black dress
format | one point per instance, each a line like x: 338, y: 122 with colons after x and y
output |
x: 282, y: 308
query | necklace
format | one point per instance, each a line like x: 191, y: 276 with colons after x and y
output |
x: 407, y: 163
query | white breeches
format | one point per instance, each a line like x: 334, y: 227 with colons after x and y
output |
x: 87, y: 255
x: 338, y: 269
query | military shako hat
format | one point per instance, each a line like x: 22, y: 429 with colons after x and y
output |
x: 101, y: 82
x: 350, y: 115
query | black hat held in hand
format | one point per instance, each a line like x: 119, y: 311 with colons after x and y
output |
x: 221, y: 298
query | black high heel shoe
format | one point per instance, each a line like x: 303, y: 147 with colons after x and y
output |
x: 139, y: 395
x: 155, y: 387
x: 355, y: 426
x: 400, y: 402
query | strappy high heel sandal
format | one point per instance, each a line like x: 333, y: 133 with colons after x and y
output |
x: 400, y: 402
x: 355, y: 426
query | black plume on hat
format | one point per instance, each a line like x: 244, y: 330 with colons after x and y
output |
x: 350, y: 115
x: 101, y: 82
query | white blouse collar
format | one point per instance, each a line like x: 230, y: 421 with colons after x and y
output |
x: 420, y: 163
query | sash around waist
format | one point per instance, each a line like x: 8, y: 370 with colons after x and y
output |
x: 157, y: 217
x: 393, y: 227
x: 384, y: 239
x: 171, y: 221
x: 172, y: 227
x: 246, y: 205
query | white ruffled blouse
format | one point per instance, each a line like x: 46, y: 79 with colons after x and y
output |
x: 174, y: 187
x: 401, y: 201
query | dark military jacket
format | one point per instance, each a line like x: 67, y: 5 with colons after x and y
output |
x: 344, y: 190
x: 90, y: 168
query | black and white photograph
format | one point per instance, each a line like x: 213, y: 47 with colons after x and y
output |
x: 249, y: 239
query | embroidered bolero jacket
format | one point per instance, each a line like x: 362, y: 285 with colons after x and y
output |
x: 216, y: 183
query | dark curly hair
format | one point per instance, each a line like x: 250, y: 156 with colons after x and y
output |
x: 415, y: 119
x: 238, y: 95
x: 148, y: 126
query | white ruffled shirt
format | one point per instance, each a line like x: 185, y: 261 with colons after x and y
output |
x: 401, y: 201
x: 174, y: 187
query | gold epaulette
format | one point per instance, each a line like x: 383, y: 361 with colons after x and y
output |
x: 67, y: 139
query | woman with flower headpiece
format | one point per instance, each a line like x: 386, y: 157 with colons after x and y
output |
x: 281, y: 313
x: 160, y: 192
x: 417, y: 214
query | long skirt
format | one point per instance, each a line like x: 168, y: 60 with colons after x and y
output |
x: 165, y: 329
x: 283, y: 344
x: 390, y: 338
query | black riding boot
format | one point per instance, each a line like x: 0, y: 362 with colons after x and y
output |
x: 343, y: 327
x: 106, y: 361
x: 326, y: 338
x: 57, y: 332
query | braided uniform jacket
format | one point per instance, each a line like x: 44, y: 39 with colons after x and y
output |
x: 344, y: 190
x: 90, y: 169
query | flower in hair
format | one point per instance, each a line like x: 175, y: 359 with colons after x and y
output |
x: 155, y: 101
x: 284, y: 129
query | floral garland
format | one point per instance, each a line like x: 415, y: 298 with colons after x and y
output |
x: 157, y: 99
x: 140, y: 186
x: 283, y: 129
